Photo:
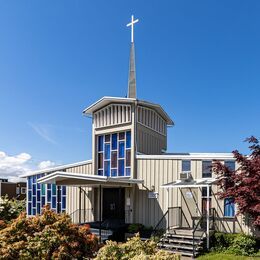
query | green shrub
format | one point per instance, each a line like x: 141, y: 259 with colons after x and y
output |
x: 135, y: 249
x: 237, y: 244
x: 243, y: 245
x: 48, y: 236
x: 134, y: 228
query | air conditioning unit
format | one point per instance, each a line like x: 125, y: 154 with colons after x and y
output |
x: 185, y: 176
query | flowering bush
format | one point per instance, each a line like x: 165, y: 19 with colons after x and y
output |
x: 134, y: 248
x: 10, y: 209
x: 48, y: 236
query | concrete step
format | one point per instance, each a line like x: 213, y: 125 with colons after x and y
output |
x: 188, y: 248
x: 181, y: 241
x: 183, y: 237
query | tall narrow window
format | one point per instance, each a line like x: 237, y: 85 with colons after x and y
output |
x: 100, y: 143
x: 206, y: 169
x: 128, y: 139
x: 230, y: 165
x: 229, y: 207
x: 121, y: 149
x: 186, y: 165
x: 114, y: 141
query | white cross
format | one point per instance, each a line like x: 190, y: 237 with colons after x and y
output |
x: 132, y: 27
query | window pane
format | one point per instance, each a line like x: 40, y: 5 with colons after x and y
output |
x: 229, y: 207
x: 114, y: 141
x: 185, y: 165
x: 63, y: 190
x: 114, y: 159
x: 206, y: 169
x: 100, y: 172
x: 122, y: 136
x: 29, y: 208
x: 53, y: 189
x: 38, y: 195
x: 121, y: 149
x: 128, y: 171
x: 34, y: 201
x: 43, y: 201
x: 128, y: 158
x: 29, y: 182
x: 100, y: 143
x: 100, y: 160
x: 48, y: 195
x: 204, y: 191
x: 107, y: 138
x: 113, y: 172
x: 107, y: 151
x: 128, y: 139
x: 63, y: 202
x: 29, y: 195
x: 107, y: 168
x: 34, y: 189
x: 121, y: 167
x: 53, y: 202
x: 34, y: 211
x: 230, y: 165
x: 43, y: 189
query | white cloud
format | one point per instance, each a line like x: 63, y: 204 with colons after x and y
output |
x: 45, y: 164
x: 11, y: 167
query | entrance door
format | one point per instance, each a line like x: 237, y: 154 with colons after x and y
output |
x: 114, y: 203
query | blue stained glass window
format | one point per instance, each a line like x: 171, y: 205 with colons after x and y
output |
x: 113, y: 172
x: 127, y: 171
x: 114, y: 141
x: 53, y: 188
x: 43, y: 201
x: 48, y: 195
x: 63, y: 202
x: 38, y: 195
x: 100, y: 172
x: 38, y: 208
x: 53, y: 202
x: 128, y: 139
x: 63, y: 190
x: 34, y: 179
x: 229, y: 207
x: 29, y: 208
x: 29, y: 195
x: 43, y: 189
x: 38, y: 186
x: 121, y: 167
x: 121, y: 150
x: 100, y: 143
x: 34, y: 189
x: 107, y: 168
x: 107, y: 151
x: 48, y: 186
x: 29, y: 182
x: 34, y: 211
x: 34, y: 201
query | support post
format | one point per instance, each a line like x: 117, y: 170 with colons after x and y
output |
x: 207, y: 216
x: 100, y: 208
x: 79, y: 205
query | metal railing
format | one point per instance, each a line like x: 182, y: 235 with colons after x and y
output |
x: 81, y: 216
x: 172, y: 218
x: 199, y: 230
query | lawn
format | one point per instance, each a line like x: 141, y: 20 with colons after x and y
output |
x: 219, y: 256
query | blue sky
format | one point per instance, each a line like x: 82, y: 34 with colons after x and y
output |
x: 199, y: 59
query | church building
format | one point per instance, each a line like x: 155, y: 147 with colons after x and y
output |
x: 131, y: 178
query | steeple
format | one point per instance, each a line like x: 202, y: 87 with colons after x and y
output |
x: 131, y: 76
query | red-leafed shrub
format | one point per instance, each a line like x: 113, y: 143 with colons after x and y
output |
x: 243, y: 184
x: 47, y: 236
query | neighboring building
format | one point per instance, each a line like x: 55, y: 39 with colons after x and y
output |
x: 15, y: 190
x: 130, y: 177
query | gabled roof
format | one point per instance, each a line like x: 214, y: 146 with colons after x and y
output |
x: 104, y: 101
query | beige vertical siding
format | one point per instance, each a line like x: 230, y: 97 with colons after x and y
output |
x: 148, y: 141
x: 87, y: 195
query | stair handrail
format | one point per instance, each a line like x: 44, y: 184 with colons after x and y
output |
x: 194, y: 230
x: 160, y: 221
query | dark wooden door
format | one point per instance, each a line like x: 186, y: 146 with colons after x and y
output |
x: 113, y: 203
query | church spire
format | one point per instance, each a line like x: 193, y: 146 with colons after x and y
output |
x: 131, y: 76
